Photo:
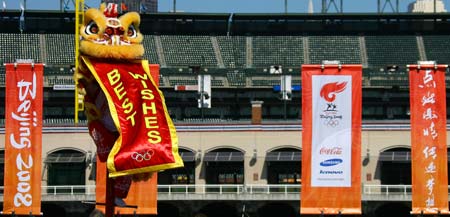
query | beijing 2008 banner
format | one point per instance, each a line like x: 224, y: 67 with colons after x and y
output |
x: 331, y: 139
x: 428, y: 139
x: 23, y: 139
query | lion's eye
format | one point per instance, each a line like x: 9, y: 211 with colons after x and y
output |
x: 91, y: 28
x: 132, y: 33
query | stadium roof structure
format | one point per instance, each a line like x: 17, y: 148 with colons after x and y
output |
x: 245, y: 23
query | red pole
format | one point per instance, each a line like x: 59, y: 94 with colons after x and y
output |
x: 109, y: 206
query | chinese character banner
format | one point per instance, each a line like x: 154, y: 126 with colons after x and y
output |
x: 331, y: 139
x: 428, y: 139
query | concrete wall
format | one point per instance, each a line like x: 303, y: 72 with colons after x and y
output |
x: 249, y: 142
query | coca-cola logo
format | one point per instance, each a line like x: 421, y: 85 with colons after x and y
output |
x: 330, y: 151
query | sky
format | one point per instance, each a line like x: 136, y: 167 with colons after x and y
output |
x: 232, y: 6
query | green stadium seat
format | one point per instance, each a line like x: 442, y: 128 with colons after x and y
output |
x: 437, y: 48
x: 178, y: 80
x: 60, y: 49
x: 186, y: 50
x: 233, y: 50
x: 150, y: 53
x: 343, y: 48
x: 286, y: 51
x: 386, y: 78
x: 237, y: 79
x: 383, y: 50
x: 268, y: 82
x: 19, y: 46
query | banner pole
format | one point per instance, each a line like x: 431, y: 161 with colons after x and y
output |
x: 109, y: 206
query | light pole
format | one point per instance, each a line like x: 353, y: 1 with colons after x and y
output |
x: 174, y: 6
x: 285, y: 6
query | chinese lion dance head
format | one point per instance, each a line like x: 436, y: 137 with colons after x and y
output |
x: 105, y: 35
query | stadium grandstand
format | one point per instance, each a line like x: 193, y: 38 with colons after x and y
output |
x: 235, y: 163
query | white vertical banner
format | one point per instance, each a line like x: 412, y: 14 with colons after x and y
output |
x: 331, y: 131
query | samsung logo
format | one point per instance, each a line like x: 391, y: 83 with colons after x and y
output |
x: 331, y: 162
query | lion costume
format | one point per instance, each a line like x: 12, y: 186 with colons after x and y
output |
x: 127, y: 115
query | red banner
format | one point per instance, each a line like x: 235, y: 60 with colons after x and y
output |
x: 137, y: 203
x: 147, y: 139
x: 23, y: 139
x: 331, y: 139
x: 428, y: 139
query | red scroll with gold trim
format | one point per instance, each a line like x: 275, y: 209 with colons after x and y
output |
x: 137, y: 203
x: 428, y: 139
x: 331, y: 139
x: 147, y: 138
x: 23, y: 139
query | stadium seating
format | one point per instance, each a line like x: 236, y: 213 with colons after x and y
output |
x: 19, y: 46
x: 241, y: 68
x: 217, y: 82
x: 2, y: 75
x: 237, y: 79
x: 386, y: 78
x: 343, y: 48
x: 268, y: 81
x: 60, y: 49
x: 277, y: 50
x: 186, y: 50
x: 383, y: 50
x: 233, y: 50
x: 150, y: 49
x: 437, y: 48
x: 178, y: 80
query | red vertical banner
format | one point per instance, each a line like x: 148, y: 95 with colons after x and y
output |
x: 331, y: 139
x: 142, y: 195
x: 23, y: 139
x: 428, y: 139
x: 147, y: 140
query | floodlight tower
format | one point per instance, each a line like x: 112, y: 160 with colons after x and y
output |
x: 337, y: 4
x: 383, y: 3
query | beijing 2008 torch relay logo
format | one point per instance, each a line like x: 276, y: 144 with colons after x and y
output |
x: 330, y: 114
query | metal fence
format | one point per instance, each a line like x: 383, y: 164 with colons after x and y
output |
x: 226, y: 189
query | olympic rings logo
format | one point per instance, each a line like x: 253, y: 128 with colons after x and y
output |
x: 139, y: 157
x: 331, y: 123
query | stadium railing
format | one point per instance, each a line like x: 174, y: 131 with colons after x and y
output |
x: 367, y: 189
